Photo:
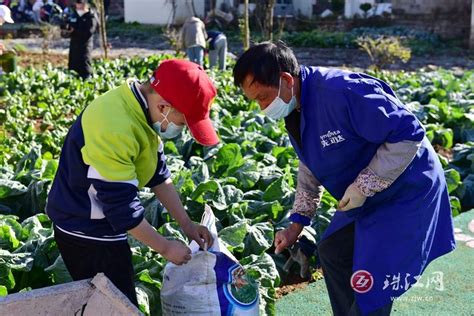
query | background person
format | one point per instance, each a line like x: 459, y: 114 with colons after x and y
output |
x: 217, y: 49
x: 83, y: 24
x: 193, y: 39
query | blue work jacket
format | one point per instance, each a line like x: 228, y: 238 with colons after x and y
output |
x: 345, y: 117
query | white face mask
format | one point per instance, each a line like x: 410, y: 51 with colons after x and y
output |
x: 172, y: 130
x: 81, y: 12
x: 279, y: 109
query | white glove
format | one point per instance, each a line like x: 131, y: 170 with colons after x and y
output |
x: 352, y: 198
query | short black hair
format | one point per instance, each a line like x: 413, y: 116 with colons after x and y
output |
x: 266, y: 61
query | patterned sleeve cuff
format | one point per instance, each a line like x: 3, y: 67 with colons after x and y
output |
x: 369, y: 183
x: 306, y: 203
x: 300, y: 219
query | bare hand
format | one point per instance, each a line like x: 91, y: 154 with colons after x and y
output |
x: 199, y: 234
x: 352, y: 198
x: 287, y: 237
x: 176, y: 252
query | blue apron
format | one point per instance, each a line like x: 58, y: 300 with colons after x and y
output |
x: 345, y: 117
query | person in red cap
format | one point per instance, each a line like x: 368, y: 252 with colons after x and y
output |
x: 109, y: 154
x: 191, y: 103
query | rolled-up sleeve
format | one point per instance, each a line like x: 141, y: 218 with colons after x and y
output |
x: 389, y: 162
x: 378, y: 116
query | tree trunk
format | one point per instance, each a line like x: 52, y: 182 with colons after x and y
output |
x: 281, y: 26
x: 471, y: 41
x: 173, y: 13
x: 270, y: 4
x: 246, y: 25
x: 102, y: 28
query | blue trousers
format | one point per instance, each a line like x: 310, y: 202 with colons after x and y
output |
x: 196, y: 54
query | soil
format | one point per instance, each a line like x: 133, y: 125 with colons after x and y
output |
x: 294, y: 282
x: 334, y: 57
x: 26, y: 59
x: 328, y: 57
x: 446, y: 153
x: 287, y: 289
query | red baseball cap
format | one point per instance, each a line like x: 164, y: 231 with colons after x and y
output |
x: 187, y: 87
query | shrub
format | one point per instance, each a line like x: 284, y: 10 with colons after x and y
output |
x: 384, y: 50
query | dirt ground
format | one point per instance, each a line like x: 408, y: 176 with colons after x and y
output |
x: 287, y: 289
x: 328, y: 57
x: 34, y: 60
x: 293, y: 281
x: 463, y: 59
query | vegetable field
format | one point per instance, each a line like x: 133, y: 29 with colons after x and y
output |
x: 248, y: 180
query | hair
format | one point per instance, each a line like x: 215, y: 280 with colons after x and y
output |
x: 266, y: 61
x: 81, y: 2
x: 148, y: 88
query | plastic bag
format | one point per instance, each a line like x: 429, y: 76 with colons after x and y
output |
x: 211, y: 283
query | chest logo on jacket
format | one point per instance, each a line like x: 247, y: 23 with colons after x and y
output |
x: 331, y: 138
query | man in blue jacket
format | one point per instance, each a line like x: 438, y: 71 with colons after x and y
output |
x: 356, y: 139
x: 111, y: 152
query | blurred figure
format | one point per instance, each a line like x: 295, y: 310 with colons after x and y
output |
x: 62, y: 3
x: 21, y: 11
x: 51, y: 12
x: 7, y: 57
x: 82, y: 25
x: 217, y: 49
x: 193, y: 39
x: 5, y: 15
x: 36, y: 11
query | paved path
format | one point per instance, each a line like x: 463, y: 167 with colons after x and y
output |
x: 454, y: 273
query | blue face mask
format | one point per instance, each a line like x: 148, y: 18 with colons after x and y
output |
x: 279, y: 109
x: 172, y: 130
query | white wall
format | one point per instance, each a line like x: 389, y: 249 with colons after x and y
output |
x: 304, y: 7
x: 156, y: 12
x: 251, y: 8
x: 159, y: 11
x: 185, y: 10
